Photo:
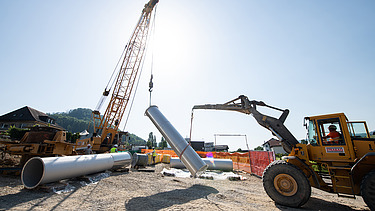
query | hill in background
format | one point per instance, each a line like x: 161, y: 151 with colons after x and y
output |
x: 80, y: 119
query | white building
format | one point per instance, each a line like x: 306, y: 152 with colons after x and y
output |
x: 274, y: 145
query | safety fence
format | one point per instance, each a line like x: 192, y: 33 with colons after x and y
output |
x: 253, y: 162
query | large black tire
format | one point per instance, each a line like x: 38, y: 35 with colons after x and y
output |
x: 368, y: 189
x: 286, y: 184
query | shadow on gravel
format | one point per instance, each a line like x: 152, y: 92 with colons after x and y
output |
x: 10, y: 181
x: 39, y: 196
x: 317, y: 204
x: 166, y: 199
x: 12, y: 200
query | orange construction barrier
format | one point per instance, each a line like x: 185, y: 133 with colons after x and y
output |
x: 169, y: 152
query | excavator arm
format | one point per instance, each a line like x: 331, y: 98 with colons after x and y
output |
x: 275, y: 125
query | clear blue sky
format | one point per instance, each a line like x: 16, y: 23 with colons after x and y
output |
x: 312, y: 57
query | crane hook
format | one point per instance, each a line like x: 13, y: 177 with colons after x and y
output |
x: 151, y: 86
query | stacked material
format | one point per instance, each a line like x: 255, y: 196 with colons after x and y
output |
x: 166, y: 158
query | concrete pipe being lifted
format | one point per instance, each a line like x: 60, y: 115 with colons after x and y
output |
x: 39, y: 171
x: 184, y: 151
x: 213, y: 164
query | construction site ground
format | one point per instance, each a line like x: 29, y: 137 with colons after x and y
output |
x: 148, y: 189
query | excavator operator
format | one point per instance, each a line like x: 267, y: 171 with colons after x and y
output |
x: 333, y: 135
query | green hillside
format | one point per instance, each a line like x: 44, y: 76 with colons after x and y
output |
x: 78, y: 120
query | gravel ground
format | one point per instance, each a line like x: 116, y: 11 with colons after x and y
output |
x: 142, y: 190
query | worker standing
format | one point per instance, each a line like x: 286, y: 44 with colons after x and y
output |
x: 114, y: 148
x: 88, y: 150
x: 153, y: 155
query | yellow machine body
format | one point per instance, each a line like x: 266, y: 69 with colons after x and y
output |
x: 340, y: 166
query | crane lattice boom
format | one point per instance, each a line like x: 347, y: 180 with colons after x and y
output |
x: 126, y: 77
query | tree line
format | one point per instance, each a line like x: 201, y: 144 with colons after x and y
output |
x: 151, y: 142
x: 74, y: 121
x: 80, y: 119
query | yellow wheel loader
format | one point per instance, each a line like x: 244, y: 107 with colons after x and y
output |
x: 40, y: 141
x: 338, y: 156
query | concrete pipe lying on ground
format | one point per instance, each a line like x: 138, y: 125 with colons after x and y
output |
x: 213, y: 164
x: 139, y: 160
x: 188, y: 156
x: 38, y: 170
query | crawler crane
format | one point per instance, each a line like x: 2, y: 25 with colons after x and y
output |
x: 106, y: 126
x: 345, y: 166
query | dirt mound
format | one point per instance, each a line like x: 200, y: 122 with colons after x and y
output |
x: 7, y: 160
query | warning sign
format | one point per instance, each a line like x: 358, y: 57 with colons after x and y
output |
x: 335, y: 150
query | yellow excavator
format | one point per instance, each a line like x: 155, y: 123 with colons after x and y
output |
x: 338, y: 155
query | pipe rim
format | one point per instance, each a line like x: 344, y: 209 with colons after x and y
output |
x: 28, y: 169
x: 201, y: 170
x: 134, y: 160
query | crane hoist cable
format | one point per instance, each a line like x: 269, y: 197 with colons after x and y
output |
x: 150, y: 87
x: 106, y: 89
x: 140, y: 73
x: 111, y: 80
x: 113, y: 73
x: 151, y: 84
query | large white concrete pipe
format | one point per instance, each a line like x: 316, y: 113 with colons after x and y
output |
x: 188, y: 156
x: 39, y: 171
x: 213, y: 164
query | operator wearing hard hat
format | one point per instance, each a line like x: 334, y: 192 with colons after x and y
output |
x: 114, y: 148
x: 333, y: 135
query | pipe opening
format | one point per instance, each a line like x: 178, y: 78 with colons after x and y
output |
x: 139, y: 160
x: 32, y: 173
x: 201, y: 171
